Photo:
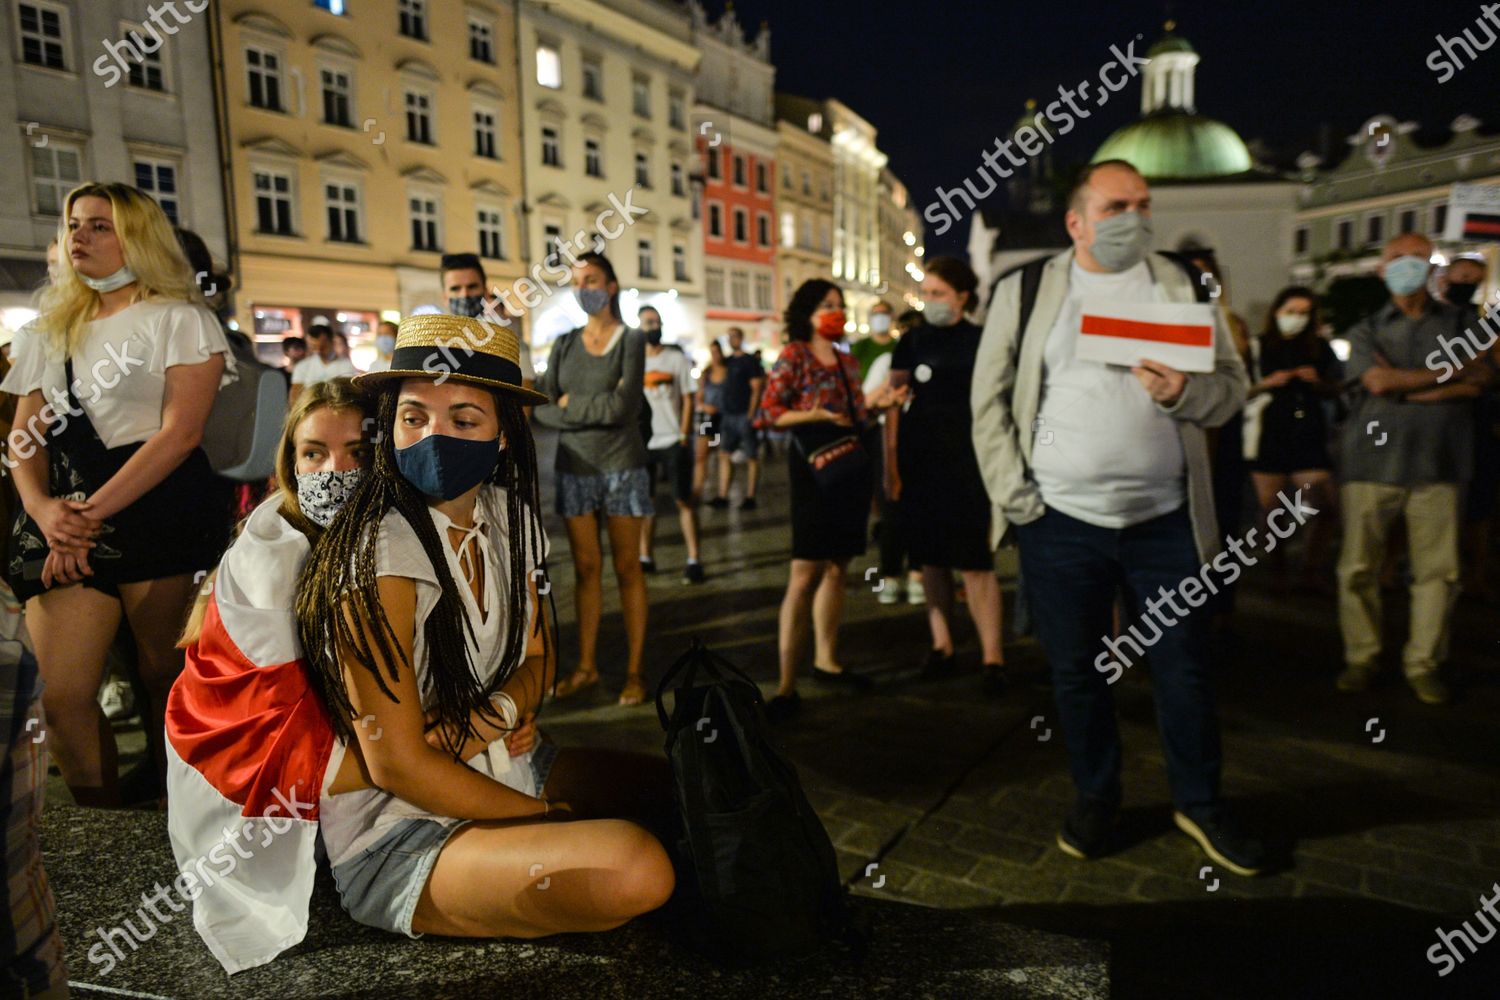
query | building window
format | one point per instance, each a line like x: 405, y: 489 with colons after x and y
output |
x: 825, y: 243
x: 332, y: 6
x: 1345, y: 238
x: 1439, y: 219
x: 786, y: 179
x: 715, y: 172
x: 1300, y: 241
x: 1374, y: 230
x: 552, y: 245
x: 336, y: 98
x: 418, y: 117
x: 413, y: 15
x: 158, y: 178
x: 739, y: 290
x: 481, y: 40
x: 679, y: 188
x: 548, y: 67
x: 491, y: 233
x: 551, y: 147
x: 342, y: 201
x: 716, y: 220
x: 42, y: 40
x: 264, y: 69
x: 677, y: 110
x: 645, y: 259
x: 788, y: 229
x: 763, y: 229
x: 642, y: 170
x: 640, y: 95
x: 273, y: 202
x: 679, y: 262
x: 146, y: 73
x: 424, y: 222
x: 741, y: 226
x: 807, y: 183
x: 484, y: 134
x: 713, y: 285
x: 1408, y: 221
x: 763, y: 293
x: 762, y: 179
x: 56, y: 169
x: 593, y: 162
x: 593, y: 79
x: 739, y: 171
x: 807, y: 234
x: 815, y: 123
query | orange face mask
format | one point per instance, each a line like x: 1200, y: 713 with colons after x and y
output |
x: 831, y: 324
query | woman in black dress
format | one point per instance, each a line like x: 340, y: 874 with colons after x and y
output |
x: 814, y: 392
x: 931, y: 467
x: 1293, y: 372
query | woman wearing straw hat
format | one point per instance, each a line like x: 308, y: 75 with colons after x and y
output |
x: 427, y: 641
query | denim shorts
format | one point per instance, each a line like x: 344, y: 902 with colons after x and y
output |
x: 739, y: 435
x: 382, y: 886
x: 618, y: 494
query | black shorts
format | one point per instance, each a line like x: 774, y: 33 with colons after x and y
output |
x: 673, y: 464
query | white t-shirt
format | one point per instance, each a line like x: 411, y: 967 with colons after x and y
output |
x: 669, y: 377
x: 354, y: 821
x: 1102, y: 450
x: 120, y: 365
x: 312, y: 369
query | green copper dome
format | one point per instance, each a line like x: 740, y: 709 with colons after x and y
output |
x: 1171, y: 43
x: 1175, y: 145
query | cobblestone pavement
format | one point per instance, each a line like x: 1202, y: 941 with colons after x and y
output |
x: 1389, y: 810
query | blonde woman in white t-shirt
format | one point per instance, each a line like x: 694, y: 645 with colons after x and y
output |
x: 114, y: 383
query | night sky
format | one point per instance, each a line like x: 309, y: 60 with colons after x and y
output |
x: 940, y: 79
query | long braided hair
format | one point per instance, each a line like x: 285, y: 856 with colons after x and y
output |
x: 338, y: 604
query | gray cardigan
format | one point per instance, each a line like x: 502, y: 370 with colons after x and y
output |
x: 1006, y: 395
x: 601, y: 424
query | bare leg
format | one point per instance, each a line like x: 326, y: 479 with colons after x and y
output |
x: 1267, y: 485
x: 828, y: 611
x: 648, y: 536
x: 72, y: 629
x: 533, y: 879
x: 753, y: 477
x: 796, y: 617
x: 583, y: 538
x: 1323, y: 495
x: 984, y: 606
x: 156, y: 610
x: 624, y: 542
x: 687, y: 517
x: 938, y: 582
x: 726, y: 471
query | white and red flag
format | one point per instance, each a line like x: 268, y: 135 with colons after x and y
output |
x: 248, y: 746
x: 1178, y: 334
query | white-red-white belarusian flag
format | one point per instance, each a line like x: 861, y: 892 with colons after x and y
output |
x: 248, y: 745
x: 1179, y: 334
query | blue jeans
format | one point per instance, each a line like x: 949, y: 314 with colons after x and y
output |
x: 1073, y: 573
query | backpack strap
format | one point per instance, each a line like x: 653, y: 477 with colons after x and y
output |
x: 1031, y: 283
x: 1195, y: 274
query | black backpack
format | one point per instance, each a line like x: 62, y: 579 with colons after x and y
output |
x: 757, y: 876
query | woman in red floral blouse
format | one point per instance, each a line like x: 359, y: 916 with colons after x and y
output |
x: 813, y: 391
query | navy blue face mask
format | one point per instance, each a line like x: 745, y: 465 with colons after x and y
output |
x: 441, y: 465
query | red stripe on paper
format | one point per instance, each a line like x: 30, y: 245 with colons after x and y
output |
x: 1160, y: 333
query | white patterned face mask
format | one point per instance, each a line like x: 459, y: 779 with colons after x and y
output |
x: 321, y: 495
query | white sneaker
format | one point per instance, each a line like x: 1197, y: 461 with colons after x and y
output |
x: 891, y: 592
x: 117, y: 699
x: 916, y: 593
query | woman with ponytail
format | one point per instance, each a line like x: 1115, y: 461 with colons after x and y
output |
x: 427, y: 643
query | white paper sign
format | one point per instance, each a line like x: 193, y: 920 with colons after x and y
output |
x: 1179, y: 334
x: 1473, y: 212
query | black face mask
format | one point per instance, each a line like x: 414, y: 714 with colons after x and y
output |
x: 471, y: 306
x: 653, y: 335
x: 1461, y: 294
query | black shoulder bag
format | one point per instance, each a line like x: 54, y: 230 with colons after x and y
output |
x: 834, y: 454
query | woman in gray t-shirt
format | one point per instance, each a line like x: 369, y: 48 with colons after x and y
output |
x: 595, y: 376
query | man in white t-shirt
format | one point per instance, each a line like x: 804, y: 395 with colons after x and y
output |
x: 670, y: 390
x: 321, y: 363
x: 1102, y: 473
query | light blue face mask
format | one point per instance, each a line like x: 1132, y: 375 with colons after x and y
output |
x: 119, y: 279
x: 1405, y: 275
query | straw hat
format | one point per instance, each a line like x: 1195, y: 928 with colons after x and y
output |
x: 477, y: 351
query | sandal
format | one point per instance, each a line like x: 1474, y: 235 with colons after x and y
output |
x: 634, y: 691
x: 575, y: 682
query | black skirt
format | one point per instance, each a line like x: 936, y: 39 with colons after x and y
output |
x: 179, y: 526
x: 827, y: 523
x: 945, y: 510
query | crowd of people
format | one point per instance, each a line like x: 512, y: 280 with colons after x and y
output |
x: 373, y: 638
